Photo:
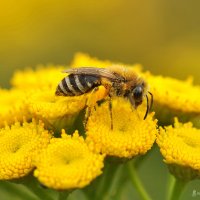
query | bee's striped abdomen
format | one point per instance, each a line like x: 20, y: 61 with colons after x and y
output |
x: 77, y: 84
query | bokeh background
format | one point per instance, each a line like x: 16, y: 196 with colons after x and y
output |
x: 164, y: 36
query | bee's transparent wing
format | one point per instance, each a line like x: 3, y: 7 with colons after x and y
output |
x: 100, y: 72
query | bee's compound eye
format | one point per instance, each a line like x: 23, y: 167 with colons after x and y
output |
x: 138, y: 92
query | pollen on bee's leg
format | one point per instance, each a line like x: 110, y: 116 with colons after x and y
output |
x: 97, y: 94
x: 90, y: 100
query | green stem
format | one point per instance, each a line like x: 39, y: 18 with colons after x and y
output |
x: 32, y: 184
x: 137, y: 182
x: 40, y: 192
x: 63, y: 195
x: 138, y: 161
x: 113, y: 184
x: 16, y: 189
x: 176, y: 187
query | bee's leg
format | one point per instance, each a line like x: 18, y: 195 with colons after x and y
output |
x: 87, y: 115
x: 111, y: 114
x: 89, y: 106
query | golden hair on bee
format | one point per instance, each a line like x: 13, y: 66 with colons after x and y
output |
x: 118, y: 80
x: 127, y: 72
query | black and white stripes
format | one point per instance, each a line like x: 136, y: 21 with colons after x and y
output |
x: 77, y: 84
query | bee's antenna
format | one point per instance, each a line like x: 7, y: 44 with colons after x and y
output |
x: 151, y: 104
x: 147, y: 110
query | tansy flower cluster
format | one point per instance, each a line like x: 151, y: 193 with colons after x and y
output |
x: 60, y: 164
x: 39, y: 134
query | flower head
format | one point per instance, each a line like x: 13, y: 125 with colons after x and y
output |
x: 19, y: 144
x: 131, y: 135
x: 60, y: 111
x: 47, y: 105
x: 42, y: 78
x: 13, y: 106
x: 55, y: 110
x: 180, y: 147
x: 68, y: 163
x: 82, y: 59
x: 175, y: 94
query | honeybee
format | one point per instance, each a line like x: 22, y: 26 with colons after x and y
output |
x: 118, y: 81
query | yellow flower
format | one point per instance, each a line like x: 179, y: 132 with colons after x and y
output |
x: 68, y: 163
x: 175, y: 94
x: 131, y: 135
x: 180, y: 147
x: 47, y: 105
x: 60, y: 111
x: 42, y: 78
x: 19, y: 144
x: 84, y: 60
x: 12, y: 106
x: 55, y: 110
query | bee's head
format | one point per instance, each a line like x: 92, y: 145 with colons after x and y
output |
x: 138, y: 94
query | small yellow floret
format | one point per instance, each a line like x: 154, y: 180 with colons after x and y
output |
x: 131, y: 135
x: 19, y: 144
x: 42, y: 78
x: 58, y: 111
x: 44, y: 103
x: 175, y: 94
x: 68, y: 163
x: 12, y: 106
x: 180, y: 145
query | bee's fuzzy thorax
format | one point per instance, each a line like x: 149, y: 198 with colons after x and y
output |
x: 127, y: 72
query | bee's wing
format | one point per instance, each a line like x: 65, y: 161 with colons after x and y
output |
x: 101, y: 72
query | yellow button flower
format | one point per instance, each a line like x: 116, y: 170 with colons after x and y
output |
x: 68, y: 163
x: 180, y: 147
x: 131, y: 135
x: 175, y: 94
x: 42, y: 78
x: 82, y: 59
x: 47, y: 105
x: 19, y: 144
x: 12, y: 106
x: 60, y: 111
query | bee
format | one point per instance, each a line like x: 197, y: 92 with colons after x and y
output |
x: 118, y: 81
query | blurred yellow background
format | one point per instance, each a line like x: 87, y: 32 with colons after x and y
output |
x: 164, y: 36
